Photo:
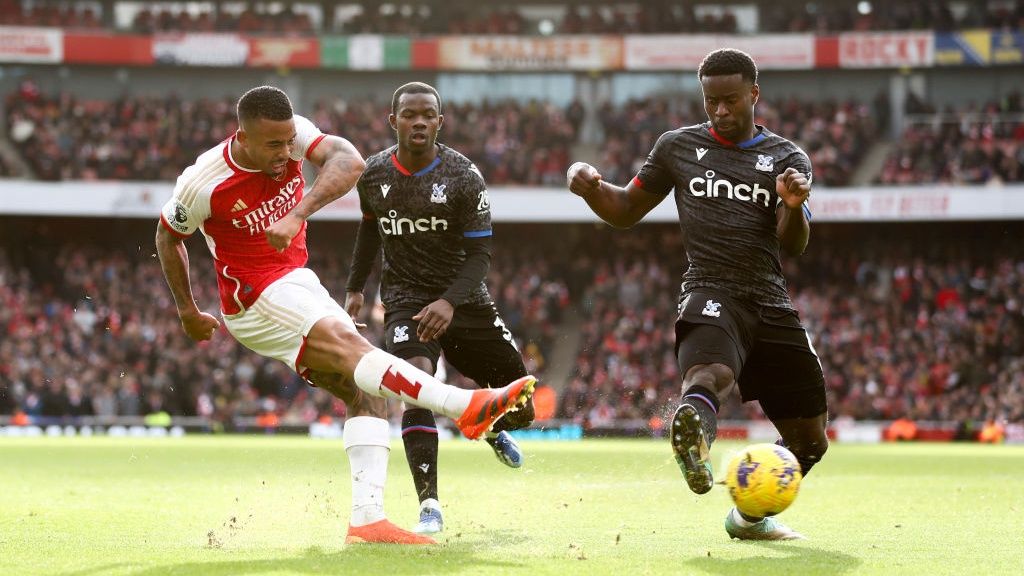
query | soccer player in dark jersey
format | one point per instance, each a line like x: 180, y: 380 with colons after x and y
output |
x: 741, y: 193
x: 428, y: 206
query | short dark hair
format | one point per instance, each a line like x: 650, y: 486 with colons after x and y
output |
x: 414, y: 88
x: 726, y: 62
x: 264, y: 102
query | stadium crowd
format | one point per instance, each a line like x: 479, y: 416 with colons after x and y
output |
x: 970, y: 145
x: 906, y: 325
x: 153, y: 138
x: 62, y: 137
x: 91, y: 330
x: 424, y: 18
x: 928, y: 328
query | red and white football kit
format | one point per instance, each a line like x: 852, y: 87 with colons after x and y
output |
x: 269, y: 300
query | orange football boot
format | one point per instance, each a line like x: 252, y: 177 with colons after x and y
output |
x: 384, y: 532
x: 487, y: 405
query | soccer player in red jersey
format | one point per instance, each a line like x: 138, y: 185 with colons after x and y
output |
x: 247, y: 195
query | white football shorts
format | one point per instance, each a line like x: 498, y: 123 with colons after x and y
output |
x: 276, y: 325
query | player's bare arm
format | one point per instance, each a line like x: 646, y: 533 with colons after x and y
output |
x: 340, y: 166
x: 621, y: 207
x: 793, y: 188
x: 174, y: 262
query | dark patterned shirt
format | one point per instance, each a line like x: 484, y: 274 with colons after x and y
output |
x: 725, y: 194
x: 422, y: 219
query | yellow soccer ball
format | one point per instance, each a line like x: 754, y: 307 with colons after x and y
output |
x: 763, y: 479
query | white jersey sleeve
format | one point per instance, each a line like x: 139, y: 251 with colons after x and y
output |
x: 307, y: 136
x: 189, y: 206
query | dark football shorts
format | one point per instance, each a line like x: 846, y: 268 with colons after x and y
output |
x: 766, y: 347
x: 477, y: 344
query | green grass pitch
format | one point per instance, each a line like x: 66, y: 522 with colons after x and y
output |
x: 274, y: 506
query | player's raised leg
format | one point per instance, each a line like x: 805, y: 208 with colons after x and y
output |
x: 333, y: 345
x: 707, y: 333
x: 694, y: 425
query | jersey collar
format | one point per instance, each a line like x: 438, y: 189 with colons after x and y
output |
x: 231, y: 159
x: 421, y: 171
x: 745, y: 144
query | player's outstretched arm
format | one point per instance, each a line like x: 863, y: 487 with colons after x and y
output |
x: 618, y: 206
x: 793, y: 228
x: 174, y: 262
x: 340, y: 166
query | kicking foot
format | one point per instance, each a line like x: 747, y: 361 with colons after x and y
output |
x: 691, y: 449
x: 487, y: 405
x: 431, y: 521
x: 506, y: 449
x: 767, y: 529
x: 384, y: 532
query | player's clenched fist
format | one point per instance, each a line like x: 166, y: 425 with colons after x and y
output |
x: 793, y: 187
x: 199, y: 325
x: 280, y: 233
x: 583, y: 179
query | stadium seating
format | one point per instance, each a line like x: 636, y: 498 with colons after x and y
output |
x: 962, y: 146
x: 599, y: 18
x: 934, y: 338
x: 65, y: 138
x: 77, y: 339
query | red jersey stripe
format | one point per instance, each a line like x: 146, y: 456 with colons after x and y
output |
x: 314, y: 144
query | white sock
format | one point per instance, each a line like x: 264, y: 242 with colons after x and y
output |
x: 368, y: 443
x: 382, y: 374
x: 430, y: 503
x: 739, y: 519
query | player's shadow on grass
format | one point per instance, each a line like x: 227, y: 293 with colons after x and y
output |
x: 798, y: 557
x: 360, y: 559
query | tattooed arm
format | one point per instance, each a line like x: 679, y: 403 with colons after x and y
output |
x: 340, y: 166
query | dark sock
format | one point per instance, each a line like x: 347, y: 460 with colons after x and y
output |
x: 419, y: 434
x: 706, y: 403
x: 806, y: 463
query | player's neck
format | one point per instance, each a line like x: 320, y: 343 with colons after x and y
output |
x: 745, y: 136
x: 413, y: 161
x: 239, y: 156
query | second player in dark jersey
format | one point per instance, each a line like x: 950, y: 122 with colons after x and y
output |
x: 741, y: 193
x: 427, y: 205
x: 426, y: 219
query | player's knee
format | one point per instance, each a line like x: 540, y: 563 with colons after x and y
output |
x: 334, y: 346
x: 816, y: 449
x: 810, y: 451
